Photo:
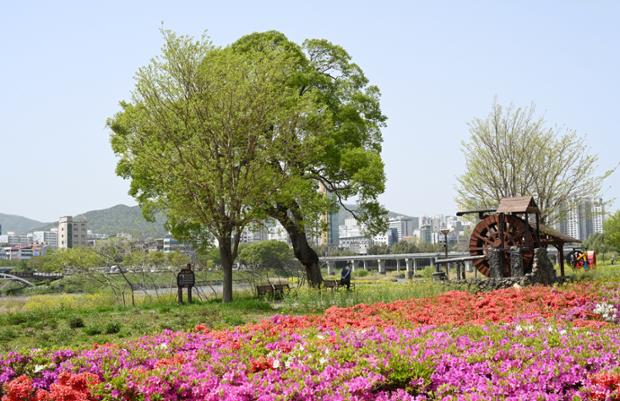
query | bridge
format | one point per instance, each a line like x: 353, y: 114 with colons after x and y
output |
x: 7, y: 276
x: 411, y: 260
x: 28, y: 278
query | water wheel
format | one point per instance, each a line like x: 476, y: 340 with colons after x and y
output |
x: 516, y: 233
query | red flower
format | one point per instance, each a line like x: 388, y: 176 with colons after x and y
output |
x: 261, y: 363
x: 19, y: 389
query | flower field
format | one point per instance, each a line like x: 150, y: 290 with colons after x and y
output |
x: 534, y: 343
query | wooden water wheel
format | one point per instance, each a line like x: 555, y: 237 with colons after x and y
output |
x: 516, y: 233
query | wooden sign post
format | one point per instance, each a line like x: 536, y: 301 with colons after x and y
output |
x: 185, y: 279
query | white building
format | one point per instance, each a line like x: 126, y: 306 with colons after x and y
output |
x: 49, y: 238
x: 12, y: 239
x: 353, y: 236
x: 253, y: 234
x: 583, y: 218
x: 275, y: 232
x: 72, y: 232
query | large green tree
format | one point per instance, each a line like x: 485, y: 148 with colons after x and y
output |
x: 196, y: 138
x: 222, y: 137
x: 333, y: 152
x: 512, y: 152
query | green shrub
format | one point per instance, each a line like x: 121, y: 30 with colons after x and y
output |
x: 76, y: 322
x: 92, y: 330
x: 112, y: 328
x: 361, y: 273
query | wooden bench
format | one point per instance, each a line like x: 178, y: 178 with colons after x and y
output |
x: 331, y: 284
x: 274, y: 291
x: 279, y: 290
x: 264, y: 289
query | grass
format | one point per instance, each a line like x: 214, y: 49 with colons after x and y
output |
x: 79, y: 320
x: 41, y: 323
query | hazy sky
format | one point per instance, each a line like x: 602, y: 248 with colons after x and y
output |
x: 64, y: 66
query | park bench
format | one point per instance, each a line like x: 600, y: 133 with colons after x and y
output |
x: 279, y: 290
x: 331, y: 284
x: 273, y: 291
x: 264, y: 289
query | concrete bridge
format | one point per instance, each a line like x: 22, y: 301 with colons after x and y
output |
x: 411, y: 260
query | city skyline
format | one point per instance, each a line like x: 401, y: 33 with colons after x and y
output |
x: 438, y: 67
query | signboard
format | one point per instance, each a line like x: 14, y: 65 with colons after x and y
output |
x: 186, y: 279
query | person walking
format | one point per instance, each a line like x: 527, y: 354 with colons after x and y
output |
x: 345, y: 276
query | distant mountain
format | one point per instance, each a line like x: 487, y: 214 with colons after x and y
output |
x: 18, y: 224
x: 120, y: 219
x: 126, y: 219
x: 117, y: 219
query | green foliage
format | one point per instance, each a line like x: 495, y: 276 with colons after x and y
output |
x: 112, y: 327
x: 400, y: 372
x: 68, y: 259
x: 198, y: 138
x: 76, y: 322
x: 404, y: 247
x: 612, y: 231
x: 92, y: 330
x: 335, y: 141
x: 597, y: 243
x: 267, y: 254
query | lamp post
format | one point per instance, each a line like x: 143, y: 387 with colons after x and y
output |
x: 445, y: 232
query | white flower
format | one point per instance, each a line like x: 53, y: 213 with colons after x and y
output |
x: 38, y: 368
x: 163, y: 346
x: 606, y: 311
x: 320, y: 337
x: 276, y: 363
x: 322, y: 361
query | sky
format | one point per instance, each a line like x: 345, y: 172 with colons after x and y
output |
x: 64, y: 67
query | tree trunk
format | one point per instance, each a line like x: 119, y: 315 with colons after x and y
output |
x: 302, y: 249
x: 227, y: 265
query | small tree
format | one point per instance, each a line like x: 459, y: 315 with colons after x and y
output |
x: 275, y: 255
x: 596, y: 242
x: 611, y: 230
x: 514, y: 153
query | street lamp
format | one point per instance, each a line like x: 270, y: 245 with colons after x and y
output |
x: 445, y: 232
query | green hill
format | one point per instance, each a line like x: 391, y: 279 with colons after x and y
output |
x: 18, y: 224
x: 119, y: 219
x: 127, y: 219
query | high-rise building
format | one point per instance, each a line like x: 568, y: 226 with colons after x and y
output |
x: 583, y: 218
x: 404, y: 226
x: 72, y: 232
x: 426, y: 234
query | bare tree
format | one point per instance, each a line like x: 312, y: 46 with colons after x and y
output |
x: 513, y: 152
